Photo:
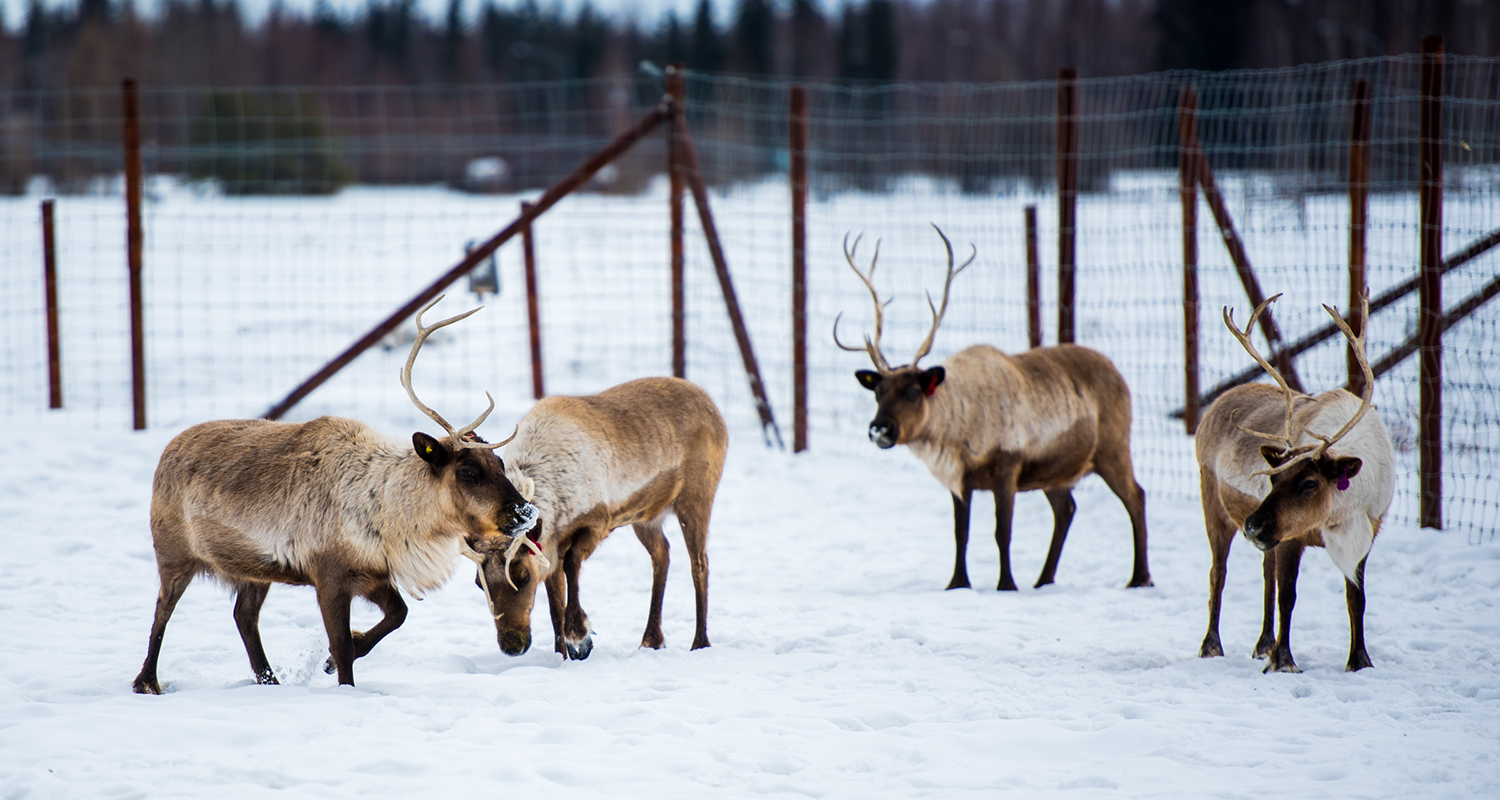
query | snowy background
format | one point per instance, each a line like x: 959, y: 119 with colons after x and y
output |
x: 839, y: 666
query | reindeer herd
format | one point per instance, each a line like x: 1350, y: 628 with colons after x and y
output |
x: 334, y: 504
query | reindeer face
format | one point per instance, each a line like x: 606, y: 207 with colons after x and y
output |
x: 484, y: 500
x: 1300, y: 497
x: 512, y: 604
x: 901, y: 396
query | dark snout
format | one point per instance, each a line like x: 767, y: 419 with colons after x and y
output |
x: 1260, y: 529
x: 883, y: 433
x: 522, y: 519
x: 514, y: 643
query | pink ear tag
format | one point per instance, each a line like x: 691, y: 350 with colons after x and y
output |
x: 1344, y: 481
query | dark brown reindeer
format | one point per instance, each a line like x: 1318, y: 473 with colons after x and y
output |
x: 331, y: 503
x: 985, y: 420
x: 1293, y: 471
x: 624, y: 456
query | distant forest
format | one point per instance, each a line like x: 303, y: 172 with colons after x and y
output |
x: 388, y: 42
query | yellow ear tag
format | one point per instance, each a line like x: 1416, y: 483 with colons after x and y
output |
x: 429, y: 449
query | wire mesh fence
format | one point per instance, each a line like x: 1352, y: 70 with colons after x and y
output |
x: 283, y: 224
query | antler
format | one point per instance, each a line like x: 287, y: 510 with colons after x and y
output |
x: 871, y: 347
x: 938, y: 312
x: 459, y: 435
x: 1292, y: 454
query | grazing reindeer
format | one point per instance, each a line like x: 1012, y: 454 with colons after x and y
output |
x: 624, y: 456
x: 1292, y: 489
x: 331, y: 503
x: 1042, y: 419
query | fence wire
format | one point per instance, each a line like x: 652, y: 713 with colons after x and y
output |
x: 283, y: 224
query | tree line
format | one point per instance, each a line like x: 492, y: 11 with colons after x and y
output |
x: 389, y: 42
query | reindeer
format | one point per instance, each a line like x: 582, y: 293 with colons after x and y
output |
x: 985, y: 420
x: 624, y: 456
x: 1292, y: 489
x: 331, y: 503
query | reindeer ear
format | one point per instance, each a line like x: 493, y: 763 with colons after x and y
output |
x: 1342, y: 467
x: 431, y: 450
x: 1273, y: 454
x: 868, y: 379
x: 931, y: 379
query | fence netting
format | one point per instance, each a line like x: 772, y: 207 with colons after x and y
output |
x: 282, y: 224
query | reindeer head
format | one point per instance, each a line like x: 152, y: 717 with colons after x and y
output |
x: 509, y: 579
x: 472, y: 481
x: 901, y: 394
x: 1305, y: 479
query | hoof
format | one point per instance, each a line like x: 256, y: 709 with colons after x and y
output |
x: 1211, y: 648
x: 144, y: 685
x: 700, y: 642
x: 1357, y: 663
x: 1007, y: 584
x: 578, y: 651
x: 958, y: 583
x: 268, y: 678
x: 1280, y: 665
x: 328, y: 667
x: 1140, y: 583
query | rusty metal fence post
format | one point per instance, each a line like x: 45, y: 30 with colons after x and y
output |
x: 135, y: 247
x: 677, y: 91
x: 797, y: 134
x: 1188, y: 158
x: 1033, y: 283
x: 1359, y: 208
x: 533, y: 304
x: 1430, y: 287
x: 1067, y: 198
x: 49, y: 279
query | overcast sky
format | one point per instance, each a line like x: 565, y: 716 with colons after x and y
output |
x: 648, y: 11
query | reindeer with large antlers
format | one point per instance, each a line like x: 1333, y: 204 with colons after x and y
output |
x: 1293, y: 471
x: 985, y: 420
x: 330, y: 503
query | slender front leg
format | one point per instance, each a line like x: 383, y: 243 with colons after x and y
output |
x: 334, y: 603
x: 961, y: 541
x: 1354, y: 595
x: 575, y: 632
x: 1267, y: 640
x: 1005, y: 500
x: 1220, y: 530
x: 249, y: 597
x: 389, y: 601
x: 173, y: 584
x: 1063, y: 507
x: 557, y: 593
x: 1288, y: 558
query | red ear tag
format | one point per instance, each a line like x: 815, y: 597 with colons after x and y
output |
x: 931, y: 386
x: 1344, y: 481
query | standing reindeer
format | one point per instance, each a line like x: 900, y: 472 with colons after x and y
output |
x: 985, y: 420
x: 1270, y: 467
x: 624, y: 456
x: 331, y: 503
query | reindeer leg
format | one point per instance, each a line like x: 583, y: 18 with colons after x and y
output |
x: 1118, y: 472
x: 1267, y: 641
x: 1220, y: 530
x: 961, y: 540
x: 693, y: 509
x: 1288, y: 558
x: 575, y: 629
x: 1005, y: 507
x: 249, y: 597
x: 1063, y: 506
x: 388, y: 599
x: 173, y: 584
x: 334, y: 600
x: 557, y: 592
x: 656, y: 545
x: 1354, y: 595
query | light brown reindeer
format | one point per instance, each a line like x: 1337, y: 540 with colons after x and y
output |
x: 624, y: 456
x: 985, y: 420
x: 1293, y: 471
x: 331, y: 503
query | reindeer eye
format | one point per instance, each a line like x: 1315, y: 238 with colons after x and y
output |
x: 913, y: 392
x: 467, y: 474
x: 1309, y: 485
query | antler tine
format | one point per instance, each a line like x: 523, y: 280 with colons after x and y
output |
x: 1243, y: 336
x: 938, y: 312
x: 1358, y: 343
x: 872, y: 347
x: 422, y: 333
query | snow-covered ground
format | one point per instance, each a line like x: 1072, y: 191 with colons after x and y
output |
x: 840, y: 668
